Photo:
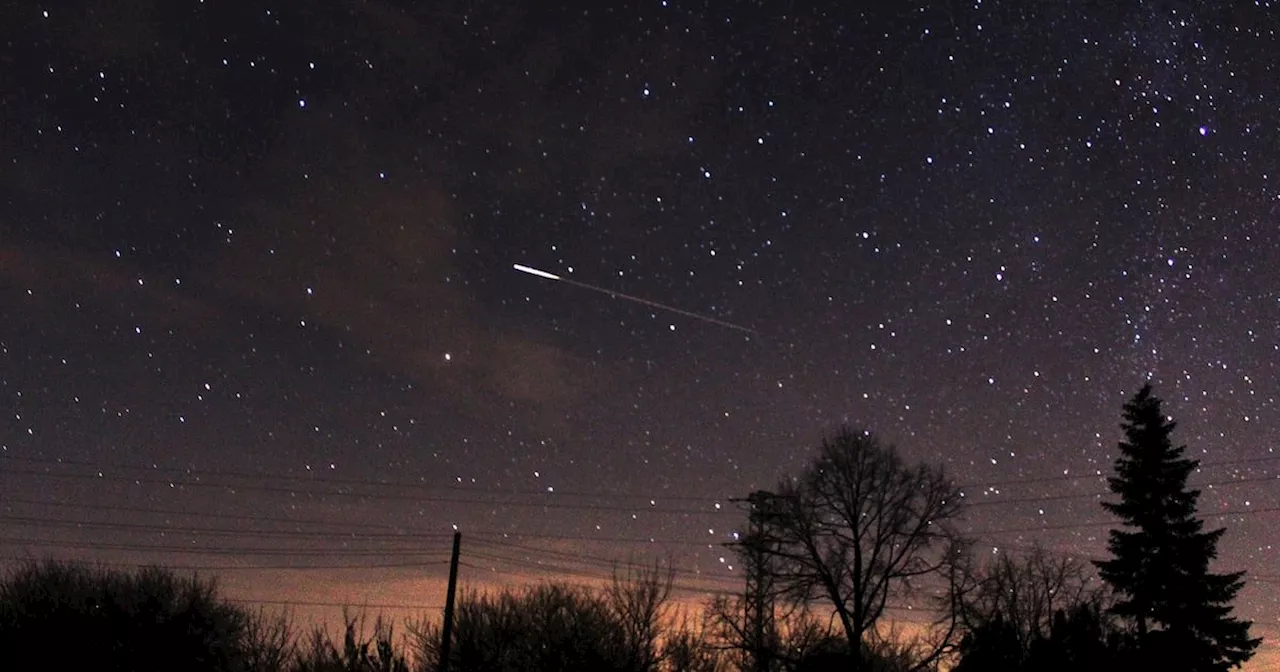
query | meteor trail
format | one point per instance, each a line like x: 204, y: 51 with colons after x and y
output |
x: 533, y: 271
x: 619, y: 295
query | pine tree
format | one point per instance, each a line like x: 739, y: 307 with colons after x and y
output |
x: 1160, y: 566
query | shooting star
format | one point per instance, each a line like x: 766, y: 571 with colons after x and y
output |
x: 619, y: 295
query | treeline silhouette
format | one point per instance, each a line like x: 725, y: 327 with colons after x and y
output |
x: 827, y: 555
x: 154, y: 619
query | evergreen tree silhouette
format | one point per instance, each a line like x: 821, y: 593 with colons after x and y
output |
x: 1181, y: 612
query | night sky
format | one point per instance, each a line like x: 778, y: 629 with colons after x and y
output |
x: 260, y: 312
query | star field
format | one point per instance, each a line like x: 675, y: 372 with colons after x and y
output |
x: 260, y: 312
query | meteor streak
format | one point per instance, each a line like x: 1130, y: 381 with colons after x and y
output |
x: 533, y: 271
x: 619, y: 295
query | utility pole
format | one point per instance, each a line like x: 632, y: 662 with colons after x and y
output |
x: 446, y: 630
x: 758, y: 609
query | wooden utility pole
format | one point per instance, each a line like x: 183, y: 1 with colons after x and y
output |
x: 446, y: 630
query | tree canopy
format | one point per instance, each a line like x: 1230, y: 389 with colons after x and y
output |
x: 1159, y: 569
x: 860, y: 529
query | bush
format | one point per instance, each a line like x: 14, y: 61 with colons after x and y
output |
x: 549, y: 627
x: 359, y: 653
x: 150, y: 619
x: 564, y: 628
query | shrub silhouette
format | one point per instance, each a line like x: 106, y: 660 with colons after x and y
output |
x: 359, y: 653
x: 548, y: 627
x: 1037, y: 611
x: 555, y: 626
x: 139, y: 621
x: 690, y: 646
x: 1080, y: 637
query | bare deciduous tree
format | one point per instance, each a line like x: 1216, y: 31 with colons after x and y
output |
x: 692, y: 646
x: 862, y: 530
x: 639, y: 599
x: 793, y: 635
x: 1034, y: 611
x: 269, y: 641
x: 1025, y: 592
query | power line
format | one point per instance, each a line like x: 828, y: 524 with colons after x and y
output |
x: 193, y: 550
x: 1106, y: 523
x: 566, y: 555
x: 222, y: 531
x: 586, y: 574
x: 345, y: 528
x: 424, y: 499
x: 610, y: 495
x: 1082, y: 495
x: 428, y: 536
x: 241, y: 600
x: 693, y: 589
x: 678, y: 586
x: 344, y: 605
x: 195, y: 514
x: 1069, y: 477
x: 653, y: 509
x: 606, y: 563
x: 682, y: 587
x: 246, y: 568
x: 413, y: 552
x: 333, y: 480
x: 342, y: 536
x: 347, y: 535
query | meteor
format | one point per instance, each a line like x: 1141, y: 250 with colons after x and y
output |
x: 645, y: 302
x: 533, y: 271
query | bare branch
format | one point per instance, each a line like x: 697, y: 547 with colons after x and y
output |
x: 861, y: 528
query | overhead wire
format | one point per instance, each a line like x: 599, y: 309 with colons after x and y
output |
x: 612, y: 495
x: 343, y: 605
x: 602, y: 562
x: 506, y: 544
x: 563, y: 563
x: 185, y: 567
x: 321, y: 535
x: 406, y: 536
x: 335, y: 480
x: 347, y: 534
x: 400, y: 534
x: 423, y: 499
x: 224, y: 551
x: 99, y: 506
x: 653, y: 508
